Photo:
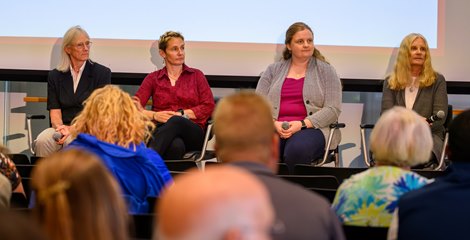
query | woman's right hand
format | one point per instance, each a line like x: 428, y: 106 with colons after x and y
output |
x: 283, y: 133
x: 163, y: 116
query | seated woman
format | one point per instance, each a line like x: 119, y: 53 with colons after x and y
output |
x: 399, y: 140
x: 415, y: 85
x: 77, y: 198
x: 182, y: 101
x: 68, y: 85
x: 305, y: 93
x: 112, y: 127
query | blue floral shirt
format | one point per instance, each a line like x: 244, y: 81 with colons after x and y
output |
x: 369, y: 198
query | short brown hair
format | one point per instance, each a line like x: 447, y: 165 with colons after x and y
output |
x: 243, y: 121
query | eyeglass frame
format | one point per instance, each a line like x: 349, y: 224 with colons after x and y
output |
x: 81, y: 46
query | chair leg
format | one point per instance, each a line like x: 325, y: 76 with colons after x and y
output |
x: 336, y: 154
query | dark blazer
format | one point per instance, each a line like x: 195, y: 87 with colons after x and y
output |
x: 439, y: 210
x: 60, y: 93
x: 428, y: 102
x: 304, y: 214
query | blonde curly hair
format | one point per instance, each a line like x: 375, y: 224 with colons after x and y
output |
x: 111, y: 116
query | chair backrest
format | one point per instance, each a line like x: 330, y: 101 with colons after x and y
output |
x: 449, y: 116
x: 19, y: 158
x: 18, y: 201
x: 325, y: 181
x: 430, y: 174
x: 329, y: 194
x: 24, y: 169
x: 179, y: 165
x: 338, y: 172
x: 282, y: 169
x: 365, y: 233
x: 141, y: 226
x: 152, y: 201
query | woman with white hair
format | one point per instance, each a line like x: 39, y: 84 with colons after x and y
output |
x: 399, y: 140
x: 68, y: 85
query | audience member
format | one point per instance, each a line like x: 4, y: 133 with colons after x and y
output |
x: 73, y: 80
x: 221, y: 203
x: 399, y: 140
x: 8, y: 169
x: 440, y: 210
x: 246, y: 138
x: 16, y: 225
x: 5, y: 192
x: 305, y: 93
x: 182, y: 101
x: 77, y: 198
x: 415, y: 85
x: 112, y: 127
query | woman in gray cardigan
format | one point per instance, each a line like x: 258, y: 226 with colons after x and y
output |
x: 305, y: 93
x: 415, y: 85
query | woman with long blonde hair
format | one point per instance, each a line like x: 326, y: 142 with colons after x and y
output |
x: 415, y: 85
x: 77, y: 198
x: 112, y: 127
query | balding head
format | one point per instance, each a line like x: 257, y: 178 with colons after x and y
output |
x: 221, y: 203
x: 244, y: 129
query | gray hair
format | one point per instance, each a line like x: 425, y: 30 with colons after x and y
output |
x: 401, y: 138
x: 67, y: 40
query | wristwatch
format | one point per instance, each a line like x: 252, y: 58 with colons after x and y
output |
x: 304, y: 126
x: 181, y: 111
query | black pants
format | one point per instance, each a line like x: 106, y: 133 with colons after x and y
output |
x: 176, y: 137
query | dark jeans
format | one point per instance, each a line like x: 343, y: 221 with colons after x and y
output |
x: 302, y: 148
x: 176, y: 137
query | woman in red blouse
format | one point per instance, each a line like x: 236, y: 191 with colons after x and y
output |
x: 182, y: 101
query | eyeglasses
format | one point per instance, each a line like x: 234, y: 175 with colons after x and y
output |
x: 81, y: 46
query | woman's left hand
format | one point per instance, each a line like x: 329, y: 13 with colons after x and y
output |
x: 295, y: 126
x: 65, y: 131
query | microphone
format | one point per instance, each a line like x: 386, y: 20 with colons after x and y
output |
x: 57, y: 136
x: 438, y: 116
x: 285, y: 125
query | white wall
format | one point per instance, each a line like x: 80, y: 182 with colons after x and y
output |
x: 451, y: 58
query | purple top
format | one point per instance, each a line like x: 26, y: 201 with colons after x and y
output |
x: 292, y: 107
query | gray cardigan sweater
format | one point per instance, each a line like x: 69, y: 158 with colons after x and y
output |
x: 321, y: 93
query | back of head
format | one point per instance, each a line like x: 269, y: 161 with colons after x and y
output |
x: 77, y: 198
x: 459, y: 137
x: 221, y: 202
x: 111, y: 116
x: 243, y: 123
x: 401, y: 138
